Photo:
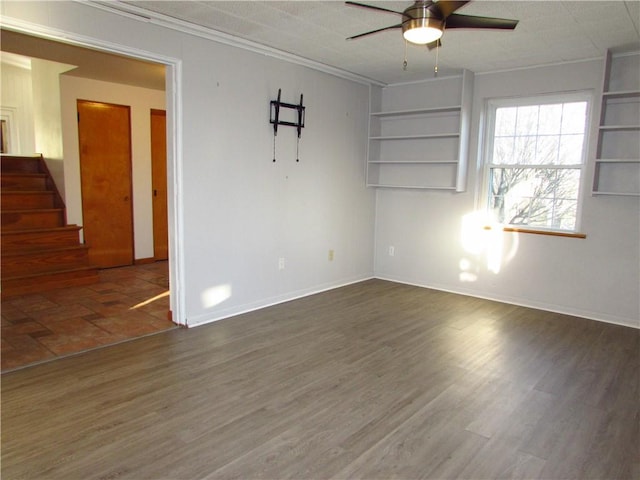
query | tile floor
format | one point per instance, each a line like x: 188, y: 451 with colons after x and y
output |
x: 128, y: 302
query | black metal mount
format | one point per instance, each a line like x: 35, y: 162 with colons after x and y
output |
x: 274, y: 118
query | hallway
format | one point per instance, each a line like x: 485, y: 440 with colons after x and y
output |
x: 128, y: 302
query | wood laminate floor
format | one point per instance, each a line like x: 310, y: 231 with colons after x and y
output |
x: 375, y: 380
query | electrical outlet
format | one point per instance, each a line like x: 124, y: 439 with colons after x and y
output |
x: 331, y: 255
x: 392, y: 251
x: 281, y: 263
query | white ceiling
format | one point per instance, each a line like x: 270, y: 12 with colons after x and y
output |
x: 548, y: 32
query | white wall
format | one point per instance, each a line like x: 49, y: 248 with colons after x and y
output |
x: 141, y: 101
x: 237, y: 211
x: 16, y: 100
x: 47, y: 121
x: 438, y: 245
x: 242, y: 211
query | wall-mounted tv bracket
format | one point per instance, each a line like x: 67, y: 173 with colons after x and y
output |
x: 274, y: 119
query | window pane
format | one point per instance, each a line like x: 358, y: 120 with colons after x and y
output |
x: 505, y: 121
x: 525, y: 150
x: 574, y: 117
x: 537, y: 197
x: 571, y: 149
x: 547, y: 149
x: 550, y: 119
x: 503, y: 150
x: 527, y: 120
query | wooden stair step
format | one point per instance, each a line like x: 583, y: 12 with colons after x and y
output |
x: 39, y: 250
x: 41, y: 282
x: 16, y: 240
x: 44, y: 260
x: 27, y: 199
x: 24, y: 181
x: 20, y: 164
x: 25, y: 219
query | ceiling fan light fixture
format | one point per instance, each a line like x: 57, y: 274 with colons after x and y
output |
x: 422, y: 30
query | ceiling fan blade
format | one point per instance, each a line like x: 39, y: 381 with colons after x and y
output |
x: 467, y: 21
x: 446, y: 7
x: 372, y: 7
x: 432, y: 45
x: 375, y: 31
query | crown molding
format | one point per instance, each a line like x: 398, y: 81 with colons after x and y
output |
x: 142, y: 15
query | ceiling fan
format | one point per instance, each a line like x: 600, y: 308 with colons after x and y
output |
x: 424, y: 22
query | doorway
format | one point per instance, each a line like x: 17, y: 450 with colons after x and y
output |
x: 74, y: 49
x: 104, y: 133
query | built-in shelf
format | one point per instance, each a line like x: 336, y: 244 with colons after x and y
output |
x: 619, y: 127
x: 415, y: 187
x: 413, y: 137
x: 617, y: 165
x: 417, y: 111
x: 622, y: 94
x: 618, y: 160
x: 617, y: 194
x: 410, y: 162
x: 419, y: 134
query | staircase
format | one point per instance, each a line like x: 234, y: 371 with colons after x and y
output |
x: 39, y: 250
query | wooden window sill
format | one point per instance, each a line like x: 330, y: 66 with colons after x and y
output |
x: 540, y: 232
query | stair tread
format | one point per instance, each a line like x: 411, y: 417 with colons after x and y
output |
x: 27, y: 192
x: 42, y: 230
x: 31, y: 210
x: 23, y: 174
x: 13, y: 252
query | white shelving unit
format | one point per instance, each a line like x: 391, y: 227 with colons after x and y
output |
x: 419, y: 134
x: 617, y: 164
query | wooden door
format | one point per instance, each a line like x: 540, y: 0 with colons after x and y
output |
x: 104, y: 132
x: 159, y: 183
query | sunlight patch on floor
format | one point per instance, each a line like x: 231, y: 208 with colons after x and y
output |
x: 150, y: 300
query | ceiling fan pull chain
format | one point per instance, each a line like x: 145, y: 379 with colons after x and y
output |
x: 435, y: 70
x: 405, y: 63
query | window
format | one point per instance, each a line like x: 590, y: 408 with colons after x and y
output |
x: 535, y: 160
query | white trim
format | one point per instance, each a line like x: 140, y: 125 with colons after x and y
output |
x: 140, y: 14
x: 174, y: 154
x: 542, y: 65
x: 15, y: 60
x: 72, y: 38
x: 9, y: 114
x: 173, y: 81
x: 269, y: 302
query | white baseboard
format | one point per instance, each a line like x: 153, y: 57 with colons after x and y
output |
x: 268, y: 302
x: 523, y: 302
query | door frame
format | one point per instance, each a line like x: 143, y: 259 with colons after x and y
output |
x: 173, y: 107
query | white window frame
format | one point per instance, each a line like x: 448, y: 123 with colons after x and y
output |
x: 489, y: 129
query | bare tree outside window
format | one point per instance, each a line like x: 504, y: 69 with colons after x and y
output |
x: 536, y: 163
